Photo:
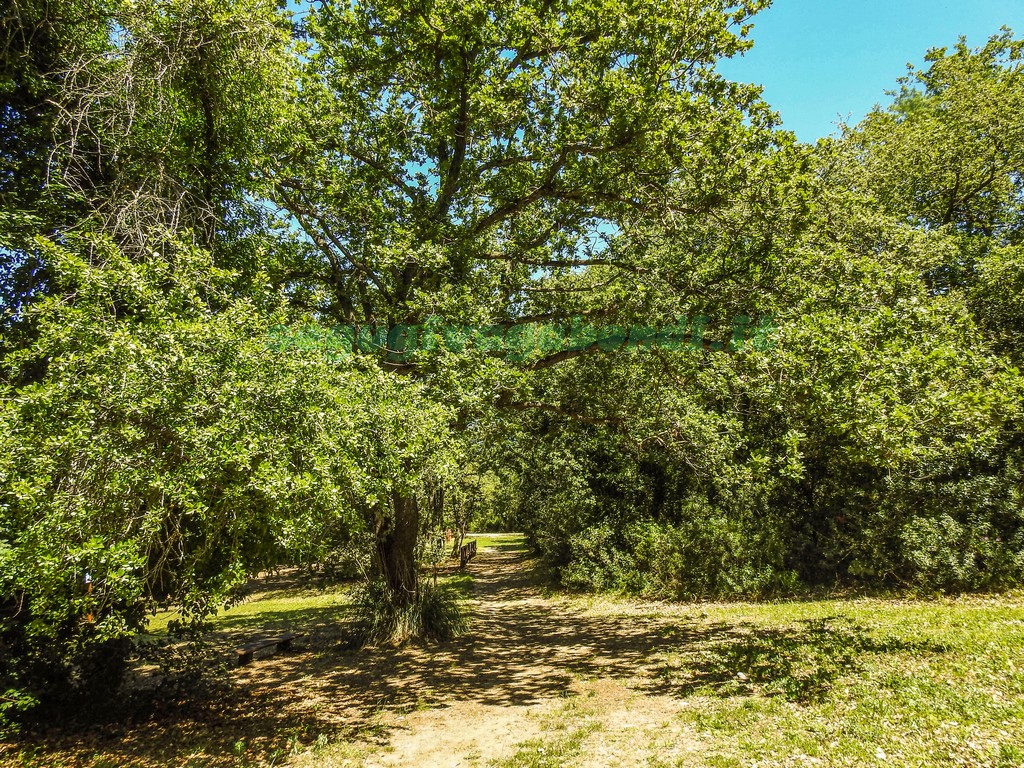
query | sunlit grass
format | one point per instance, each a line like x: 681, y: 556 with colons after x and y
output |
x: 848, y: 682
x: 287, y: 609
x: 502, y: 542
x: 271, y: 609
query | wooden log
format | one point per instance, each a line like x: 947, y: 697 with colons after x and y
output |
x: 280, y: 642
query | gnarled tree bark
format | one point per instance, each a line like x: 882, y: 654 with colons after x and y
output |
x: 396, y: 548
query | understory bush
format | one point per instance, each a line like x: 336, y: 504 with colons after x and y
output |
x: 699, y: 558
x: 435, y: 613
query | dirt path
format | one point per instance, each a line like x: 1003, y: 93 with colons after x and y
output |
x: 538, y: 681
x: 534, y: 675
x: 546, y: 680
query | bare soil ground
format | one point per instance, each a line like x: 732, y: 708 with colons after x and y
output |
x: 533, y: 669
x: 527, y: 664
x: 546, y: 679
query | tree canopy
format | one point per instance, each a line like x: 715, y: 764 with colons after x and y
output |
x: 841, y: 404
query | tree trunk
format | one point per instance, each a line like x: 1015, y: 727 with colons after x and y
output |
x: 396, y: 549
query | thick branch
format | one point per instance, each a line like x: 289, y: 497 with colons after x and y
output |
x: 454, y: 170
x: 563, y: 263
x: 565, y: 354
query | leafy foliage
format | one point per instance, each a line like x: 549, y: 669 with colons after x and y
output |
x: 179, y: 177
x: 156, y: 451
x: 877, y: 442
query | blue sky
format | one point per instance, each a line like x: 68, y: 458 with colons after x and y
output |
x: 822, y: 60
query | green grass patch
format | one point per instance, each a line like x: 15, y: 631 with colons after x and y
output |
x: 500, y: 542
x: 291, y: 608
x: 279, y: 609
x: 461, y: 582
x: 547, y: 753
x: 854, y: 682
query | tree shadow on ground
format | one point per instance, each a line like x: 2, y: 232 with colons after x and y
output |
x: 522, y: 650
x: 517, y: 547
x: 800, y: 663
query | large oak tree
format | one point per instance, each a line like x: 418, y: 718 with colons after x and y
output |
x: 449, y: 159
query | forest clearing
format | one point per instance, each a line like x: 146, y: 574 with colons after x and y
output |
x: 546, y: 678
x: 296, y: 293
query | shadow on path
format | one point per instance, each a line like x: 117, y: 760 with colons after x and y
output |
x: 522, y: 650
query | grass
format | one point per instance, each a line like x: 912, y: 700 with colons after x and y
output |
x: 551, y: 752
x: 911, y: 683
x: 853, y: 682
x: 435, y: 613
x: 500, y: 542
x: 272, y: 609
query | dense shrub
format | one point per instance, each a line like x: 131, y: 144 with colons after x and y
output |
x: 434, y: 613
x: 154, y: 450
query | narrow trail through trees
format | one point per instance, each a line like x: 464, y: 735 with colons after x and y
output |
x: 536, y: 670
